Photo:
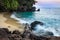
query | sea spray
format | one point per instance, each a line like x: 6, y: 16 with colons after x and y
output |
x: 42, y: 30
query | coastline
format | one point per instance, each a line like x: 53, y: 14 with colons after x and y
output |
x: 11, y: 24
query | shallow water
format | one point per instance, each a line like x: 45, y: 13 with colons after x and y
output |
x: 49, y: 16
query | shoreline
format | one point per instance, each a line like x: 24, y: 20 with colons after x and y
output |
x: 10, y: 23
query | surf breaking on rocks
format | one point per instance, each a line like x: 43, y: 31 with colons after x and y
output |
x: 41, y: 29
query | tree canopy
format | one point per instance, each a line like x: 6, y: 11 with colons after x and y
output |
x: 10, y: 4
x: 14, y: 4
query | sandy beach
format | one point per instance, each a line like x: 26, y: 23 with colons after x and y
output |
x: 7, y: 22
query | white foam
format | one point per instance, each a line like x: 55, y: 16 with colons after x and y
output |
x: 39, y: 15
x: 18, y: 19
x: 38, y: 28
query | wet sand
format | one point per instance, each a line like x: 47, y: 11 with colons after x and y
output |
x: 7, y: 22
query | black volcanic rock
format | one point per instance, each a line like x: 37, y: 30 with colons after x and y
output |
x: 38, y: 10
x: 33, y: 24
x: 3, y: 32
x: 49, y: 33
x: 6, y: 36
x: 16, y: 32
x: 25, y: 8
x: 46, y: 33
x: 34, y: 37
x: 6, y: 30
x: 33, y: 8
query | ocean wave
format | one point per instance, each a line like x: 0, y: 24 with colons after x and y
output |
x: 18, y: 19
x: 50, y: 20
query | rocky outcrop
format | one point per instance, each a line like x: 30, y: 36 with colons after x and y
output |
x: 6, y: 35
x: 4, y: 32
x: 38, y: 9
x: 33, y: 24
x: 16, y: 32
x: 34, y: 37
x: 2, y: 9
x: 45, y: 33
x: 25, y: 8
x: 48, y: 33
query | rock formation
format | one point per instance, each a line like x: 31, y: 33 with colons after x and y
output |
x: 5, y: 34
x: 33, y: 24
x: 38, y: 9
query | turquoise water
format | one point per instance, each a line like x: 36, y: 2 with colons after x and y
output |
x: 50, y: 18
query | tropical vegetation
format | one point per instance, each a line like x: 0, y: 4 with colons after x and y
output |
x: 14, y: 4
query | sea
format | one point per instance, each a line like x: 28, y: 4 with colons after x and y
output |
x: 49, y: 16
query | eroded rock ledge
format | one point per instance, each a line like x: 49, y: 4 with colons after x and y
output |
x: 5, y: 34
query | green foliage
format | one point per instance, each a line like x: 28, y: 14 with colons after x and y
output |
x: 28, y: 3
x: 13, y: 4
x: 10, y: 4
x: 6, y: 3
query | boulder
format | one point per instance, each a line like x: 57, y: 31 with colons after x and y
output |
x: 33, y: 8
x: 3, y: 32
x: 16, y: 32
x: 38, y: 10
x: 47, y: 33
x: 33, y: 24
x: 6, y: 30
